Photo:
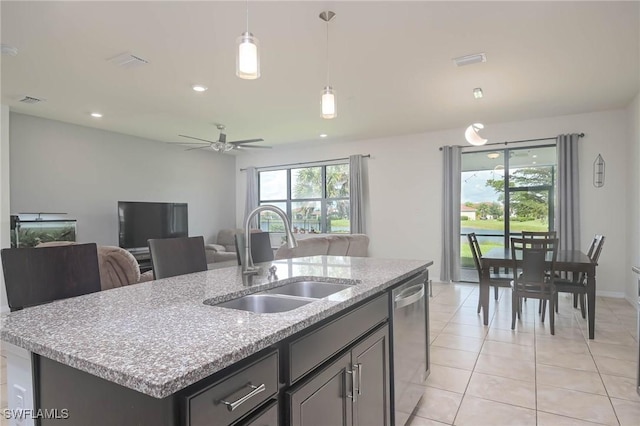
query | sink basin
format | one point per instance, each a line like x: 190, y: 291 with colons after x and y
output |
x: 265, y: 303
x: 313, y: 289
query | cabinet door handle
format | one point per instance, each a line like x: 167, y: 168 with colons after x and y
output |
x: 235, y: 404
x: 353, y: 395
x: 359, y: 367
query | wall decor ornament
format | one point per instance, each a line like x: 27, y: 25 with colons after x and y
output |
x: 598, y: 172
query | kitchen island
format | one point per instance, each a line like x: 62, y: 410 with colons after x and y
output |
x: 143, y: 354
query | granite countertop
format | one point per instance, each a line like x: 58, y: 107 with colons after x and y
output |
x: 159, y: 337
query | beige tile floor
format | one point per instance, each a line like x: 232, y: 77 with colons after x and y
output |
x: 495, y: 376
x: 491, y: 375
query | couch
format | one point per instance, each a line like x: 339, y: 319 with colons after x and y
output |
x: 330, y: 245
x: 224, y: 250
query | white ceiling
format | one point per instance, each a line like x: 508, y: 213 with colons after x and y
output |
x: 391, y: 63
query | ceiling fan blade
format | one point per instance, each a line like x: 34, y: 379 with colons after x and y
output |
x: 253, y: 146
x: 189, y: 143
x: 198, y: 139
x: 246, y: 141
x: 197, y: 147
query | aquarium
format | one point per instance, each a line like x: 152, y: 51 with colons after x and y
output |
x: 30, y: 233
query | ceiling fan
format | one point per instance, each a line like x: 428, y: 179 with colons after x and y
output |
x: 221, y: 145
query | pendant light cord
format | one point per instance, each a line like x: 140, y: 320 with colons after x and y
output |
x: 327, y: 52
x: 247, y: 16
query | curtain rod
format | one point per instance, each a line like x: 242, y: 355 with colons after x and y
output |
x: 581, y: 135
x: 306, y: 162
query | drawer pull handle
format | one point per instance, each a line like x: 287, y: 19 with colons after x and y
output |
x: 235, y: 404
x: 359, y: 366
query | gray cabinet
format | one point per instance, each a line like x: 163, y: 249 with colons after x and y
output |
x: 237, y: 394
x: 351, y: 390
x: 370, y: 359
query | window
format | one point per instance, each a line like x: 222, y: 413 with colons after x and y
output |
x: 316, y: 199
x: 504, y: 192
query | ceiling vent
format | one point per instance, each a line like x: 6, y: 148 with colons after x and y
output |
x: 470, y: 59
x: 31, y: 100
x: 127, y: 60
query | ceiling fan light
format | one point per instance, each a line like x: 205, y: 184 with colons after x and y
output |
x: 329, y: 104
x: 248, y: 57
x: 472, y: 136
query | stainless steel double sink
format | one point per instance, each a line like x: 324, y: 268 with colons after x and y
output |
x: 284, y: 298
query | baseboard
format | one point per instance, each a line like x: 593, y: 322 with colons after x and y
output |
x: 614, y: 294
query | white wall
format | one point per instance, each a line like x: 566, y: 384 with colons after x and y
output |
x: 405, y: 185
x: 633, y: 218
x: 61, y: 167
x: 5, y: 238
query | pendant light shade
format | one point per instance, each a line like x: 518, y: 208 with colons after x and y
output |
x: 248, y: 57
x: 328, y: 101
x: 472, y: 136
x: 247, y: 54
x: 329, y: 104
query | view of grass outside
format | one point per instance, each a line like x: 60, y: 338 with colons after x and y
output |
x: 491, y: 227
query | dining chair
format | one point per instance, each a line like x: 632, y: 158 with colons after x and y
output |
x: 535, y: 259
x: 495, y: 279
x: 177, y: 256
x: 34, y: 276
x: 538, y: 234
x: 261, y: 250
x: 578, y: 285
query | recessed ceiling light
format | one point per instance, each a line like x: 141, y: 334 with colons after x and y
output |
x: 323, y: 135
x: 8, y: 50
x: 96, y: 115
x: 477, y: 93
x: 535, y: 155
x: 534, y: 162
x: 199, y: 88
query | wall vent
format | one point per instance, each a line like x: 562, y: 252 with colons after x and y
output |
x: 31, y: 100
x: 470, y: 59
x: 127, y: 60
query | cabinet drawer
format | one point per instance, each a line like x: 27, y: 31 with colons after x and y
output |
x: 266, y: 417
x: 314, y: 348
x: 240, y: 388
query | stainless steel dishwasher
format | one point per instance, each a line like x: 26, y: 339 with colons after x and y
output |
x: 410, y: 349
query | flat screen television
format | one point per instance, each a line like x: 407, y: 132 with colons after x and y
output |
x: 140, y: 221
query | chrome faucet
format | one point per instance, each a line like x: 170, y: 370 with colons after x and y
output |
x: 248, y: 267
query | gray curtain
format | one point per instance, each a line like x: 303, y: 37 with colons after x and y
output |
x: 356, y: 194
x: 251, y: 201
x: 567, y: 220
x: 450, y: 267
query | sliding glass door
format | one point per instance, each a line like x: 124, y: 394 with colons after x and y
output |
x: 504, y: 192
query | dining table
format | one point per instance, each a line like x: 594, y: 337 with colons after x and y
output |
x: 573, y: 261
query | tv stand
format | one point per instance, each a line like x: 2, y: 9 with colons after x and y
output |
x: 143, y: 257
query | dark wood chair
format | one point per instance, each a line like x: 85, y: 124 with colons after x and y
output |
x: 177, y: 256
x: 578, y: 284
x: 495, y: 279
x: 539, y: 234
x: 261, y: 250
x: 535, y: 260
x: 34, y: 276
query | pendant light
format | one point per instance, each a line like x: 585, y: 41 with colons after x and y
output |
x: 472, y: 136
x: 247, y: 55
x: 328, y: 99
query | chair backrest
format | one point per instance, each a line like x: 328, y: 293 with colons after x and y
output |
x: 177, y: 256
x: 34, y: 276
x: 261, y: 250
x: 536, y: 259
x: 596, y: 248
x: 475, y: 251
